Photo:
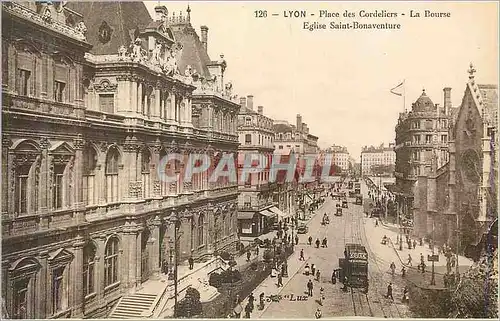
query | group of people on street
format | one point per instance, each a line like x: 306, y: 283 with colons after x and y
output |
x: 323, y: 243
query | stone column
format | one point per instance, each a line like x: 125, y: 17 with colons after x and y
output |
x: 77, y: 278
x: 131, y: 244
x: 77, y: 180
x: 155, y: 247
x: 155, y: 180
x: 12, y: 66
x: 138, y: 251
x: 173, y: 107
x: 132, y: 100
x: 101, y: 177
x: 44, y: 179
x: 99, y: 267
x: 39, y: 76
x: 157, y: 104
x: 139, y: 98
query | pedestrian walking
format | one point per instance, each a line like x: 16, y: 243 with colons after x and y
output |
x: 313, y: 269
x: 414, y: 244
x: 310, y: 240
x: 389, y: 292
x: 321, y: 296
x: 284, y: 269
x: 261, y: 301
x: 422, y: 258
x: 406, y: 295
x: 280, y: 280
x: 318, y: 313
x: 453, y: 261
x: 164, y: 266
x: 248, y: 255
x: 318, y: 275
x: 237, y: 310
x: 423, y: 267
x: 325, y: 242
x: 251, y: 299
x: 296, y: 240
x: 248, y: 310
x: 301, y: 258
x: 393, y: 268
x: 317, y: 243
x: 403, y: 272
x: 310, y: 287
x: 334, y: 276
x: 191, y: 262
x: 409, y: 260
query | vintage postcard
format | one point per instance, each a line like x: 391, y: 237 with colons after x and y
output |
x: 274, y: 160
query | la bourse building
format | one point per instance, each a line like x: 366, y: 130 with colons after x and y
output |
x: 85, y: 217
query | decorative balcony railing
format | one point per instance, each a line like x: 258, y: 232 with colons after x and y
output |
x: 19, y: 10
x: 42, y: 106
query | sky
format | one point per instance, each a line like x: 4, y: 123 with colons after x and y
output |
x: 340, y: 80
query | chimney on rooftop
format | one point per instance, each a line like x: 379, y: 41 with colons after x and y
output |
x: 160, y: 13
x: 204, y: 36
x: 250, y: 102
x: 260, y: 110
x: 447, y: 100
x: 299, y: 123
x: 243, y: 102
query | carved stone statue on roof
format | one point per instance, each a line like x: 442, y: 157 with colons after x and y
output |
x: 137, y: 50
x: 156, y: 58
x: 122, y: 52
x: 228, y: 90
x: 81, y: 27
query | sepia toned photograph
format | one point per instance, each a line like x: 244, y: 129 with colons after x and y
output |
x: 249, y: 159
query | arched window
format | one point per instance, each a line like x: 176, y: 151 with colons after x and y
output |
x: 112, y: 160
x: 111, y: 262
x: 201, y: 236
x: 89, y: 182
x: 146, y: 179
x: 89, y: 253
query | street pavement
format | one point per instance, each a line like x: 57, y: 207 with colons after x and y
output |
x: 352, y: 227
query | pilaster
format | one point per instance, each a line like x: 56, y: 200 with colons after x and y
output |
x: 139, y: 98
x: 76, y: 294
x: 42, y: 292
x: 138, y: 251
x: 155, y: 247
x: 99, y: 266
x: 133, y: 98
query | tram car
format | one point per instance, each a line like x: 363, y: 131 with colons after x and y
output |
x: 354, y: 266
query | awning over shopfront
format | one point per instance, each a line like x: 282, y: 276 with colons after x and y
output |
x: 268, y: 213
x: 245, y: 215
x: 278, y: 212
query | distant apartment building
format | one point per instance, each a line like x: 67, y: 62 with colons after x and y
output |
x: 383, y: 157
x: 340, y: 157
x: 256, y: 210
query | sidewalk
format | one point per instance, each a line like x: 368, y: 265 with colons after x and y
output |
x: 416, y: 277
x: 269, y: 285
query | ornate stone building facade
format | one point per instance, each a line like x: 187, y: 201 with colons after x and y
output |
x: 88, y: 115
x: 340, y: 157
x: 256, y: 210
x: 421, y: 142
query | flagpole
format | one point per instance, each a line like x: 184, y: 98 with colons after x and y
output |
x: 404, y: 96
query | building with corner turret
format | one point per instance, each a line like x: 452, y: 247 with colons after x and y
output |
x: 421, y: 145
x: 94, y: 96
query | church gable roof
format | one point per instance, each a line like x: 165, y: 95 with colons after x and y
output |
x: 111, y: 24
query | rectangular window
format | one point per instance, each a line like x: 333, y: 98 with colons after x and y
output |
x: 58, y: 187
x: 416, y: 139
x: 24, y: 82
x: 22, y: 194
x: 20, y: 298
x: 59, y: 91
x: 444, y: 138
x: 428, y: 139
x: 248, y: 139
x: 107, y: 103
x: 57, y: 289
